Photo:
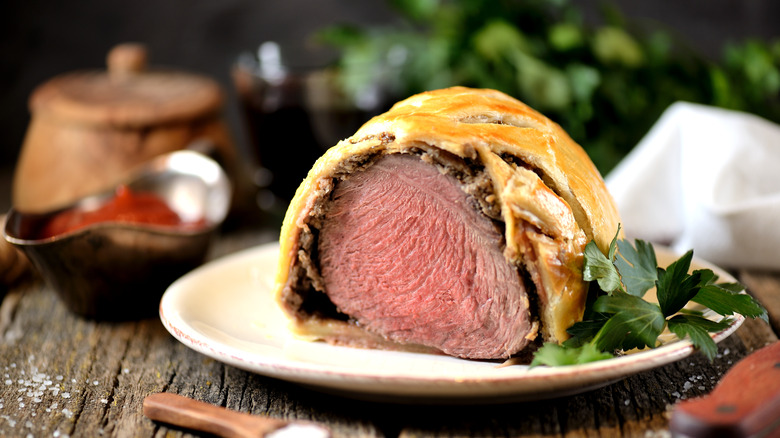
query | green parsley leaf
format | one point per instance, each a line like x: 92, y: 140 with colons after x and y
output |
x: 637, y: 267
x: 725, y: 299
x: 696, y: 328
x: 584, y: 331
x: 552, y: 354
x: 700, y: 321
x: 691, y: 312
x: 618, y: 318
x: 635, y: 323
x: 675, y: 286
x: 599, y: 268
x: 613, y: 245
x: 709, y: 277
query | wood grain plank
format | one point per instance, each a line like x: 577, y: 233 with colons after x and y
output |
x: 765, y: 287
x: 60, y: 373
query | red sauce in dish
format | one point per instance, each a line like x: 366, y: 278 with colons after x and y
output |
x: 125, y: 207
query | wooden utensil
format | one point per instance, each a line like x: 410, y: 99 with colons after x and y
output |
x: 196, y: 415
x: 746, y: 402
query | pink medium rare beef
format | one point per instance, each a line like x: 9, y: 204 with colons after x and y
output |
x: 502, y: 180
x: 409, y: 256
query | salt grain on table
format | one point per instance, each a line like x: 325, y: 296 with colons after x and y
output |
x: 33, y: 386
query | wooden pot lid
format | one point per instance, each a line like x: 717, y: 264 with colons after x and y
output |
x: 127, y: 94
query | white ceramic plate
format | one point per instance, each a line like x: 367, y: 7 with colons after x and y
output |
x: 224, y: 310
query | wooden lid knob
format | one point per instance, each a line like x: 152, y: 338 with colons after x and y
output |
x: 126, y: 59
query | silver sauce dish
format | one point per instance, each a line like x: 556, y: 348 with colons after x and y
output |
x: 119, y: 271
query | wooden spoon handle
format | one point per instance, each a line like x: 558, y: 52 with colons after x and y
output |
x: 196, y: 415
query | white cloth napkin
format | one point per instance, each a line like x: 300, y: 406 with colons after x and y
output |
x: 705, y: 179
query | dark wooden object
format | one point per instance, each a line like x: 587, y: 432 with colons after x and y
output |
x: 745, y: 403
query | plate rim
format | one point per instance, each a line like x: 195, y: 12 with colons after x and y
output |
x: 363, y: 384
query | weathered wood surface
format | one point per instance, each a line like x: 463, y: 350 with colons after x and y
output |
x: 64, y: 376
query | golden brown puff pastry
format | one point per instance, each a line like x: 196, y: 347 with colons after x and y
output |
x: 455, y: 222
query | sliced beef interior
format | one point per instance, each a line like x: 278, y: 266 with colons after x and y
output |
x: 409, y: 256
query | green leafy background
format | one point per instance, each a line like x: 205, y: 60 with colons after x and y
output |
x: 606, y: 84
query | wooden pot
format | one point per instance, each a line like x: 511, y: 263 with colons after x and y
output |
x: 89, y: 129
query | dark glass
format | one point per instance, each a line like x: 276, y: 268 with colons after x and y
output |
x: 293, y: 113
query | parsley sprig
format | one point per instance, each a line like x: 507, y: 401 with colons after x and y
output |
x: 617, y: 317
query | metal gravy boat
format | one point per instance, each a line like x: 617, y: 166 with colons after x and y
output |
x: 119, y: 271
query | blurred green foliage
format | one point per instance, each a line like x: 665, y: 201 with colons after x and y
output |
x: 606, y: 85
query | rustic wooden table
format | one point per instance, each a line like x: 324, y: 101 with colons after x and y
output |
x: 61, y: 375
